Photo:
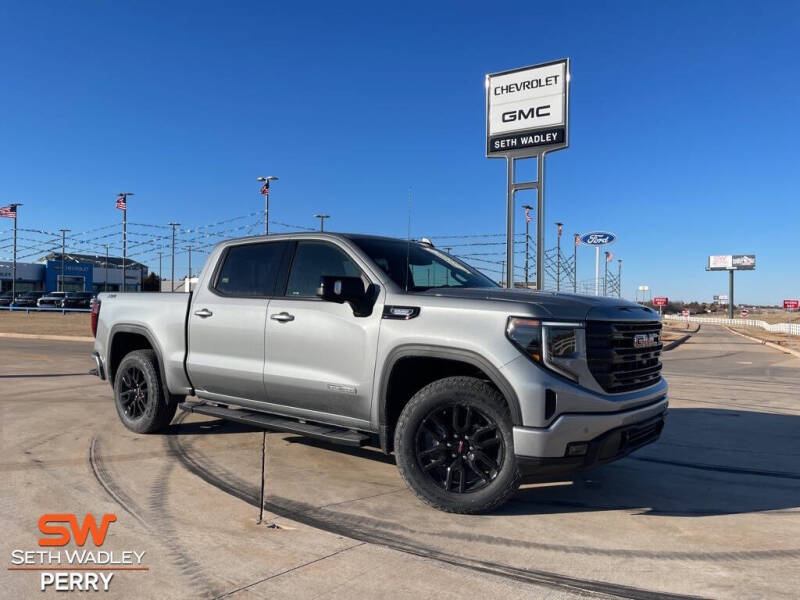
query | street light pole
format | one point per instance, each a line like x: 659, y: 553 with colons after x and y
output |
x: 619, y: 278
x: 558, y: 257
x: 63, y: 238
x: 172, y: 277
x: 322, y: 221
x: 605, y: 276
x: 265, y: 192
x: 105, y: 283
x: 189, y: 280
x: 527, y: 208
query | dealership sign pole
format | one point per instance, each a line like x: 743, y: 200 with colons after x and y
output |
x: 731, y: 263
x: 527, y: 116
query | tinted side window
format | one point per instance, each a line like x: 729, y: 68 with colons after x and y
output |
x: 250, y: 270
x: 312, y: 260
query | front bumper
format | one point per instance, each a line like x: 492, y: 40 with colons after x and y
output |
x: 610, y: 436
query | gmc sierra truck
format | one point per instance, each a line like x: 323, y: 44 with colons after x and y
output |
x: 366, y: 340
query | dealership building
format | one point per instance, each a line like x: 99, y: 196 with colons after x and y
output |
x: 82, y: 273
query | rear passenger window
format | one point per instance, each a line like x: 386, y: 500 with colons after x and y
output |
x: 312, y: 260
x: 250, y: 270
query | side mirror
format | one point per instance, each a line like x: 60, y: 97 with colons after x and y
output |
x: 341, y: 289
x: 347, y: 289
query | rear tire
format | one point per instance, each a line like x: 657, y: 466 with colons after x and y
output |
x: 454, y: 446
x: 142, y: 403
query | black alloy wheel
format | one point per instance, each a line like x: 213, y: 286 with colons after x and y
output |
x: 133, y: 392
x: 142, y: 402
x: 460, y: 448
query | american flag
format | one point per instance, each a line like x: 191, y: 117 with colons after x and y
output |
x: 122, y: 203
x: 528, y: 217
x: 609, y: 256
x: 9, y: 212
x: 560, y: 229
x: 577, y: 240
x: 265, y: 188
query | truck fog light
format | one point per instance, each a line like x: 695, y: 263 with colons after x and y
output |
x: 577, y: 448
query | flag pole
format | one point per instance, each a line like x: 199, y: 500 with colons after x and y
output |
x: 124, y: 241
x: 14, y: 269
x: 122, y: 204
x: 575, y: 265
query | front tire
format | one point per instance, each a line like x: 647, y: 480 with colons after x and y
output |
x: 142, y: 403
x: 454, y: 446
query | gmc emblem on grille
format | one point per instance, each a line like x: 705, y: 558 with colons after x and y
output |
x: 645, y: 340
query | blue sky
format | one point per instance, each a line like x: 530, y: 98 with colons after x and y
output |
x: 684, y: 122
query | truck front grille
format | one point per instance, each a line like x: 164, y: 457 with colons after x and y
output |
x: 624, y: 355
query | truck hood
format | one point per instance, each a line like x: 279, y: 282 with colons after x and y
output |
x: 554, y: 305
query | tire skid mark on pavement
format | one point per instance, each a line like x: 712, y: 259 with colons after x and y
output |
x: 290, y: 570
x: 225, y: 480
x: 105, y: 480
x: 719, y: 468
x: 30, y: 375
x: 377, y: 532
x: 156, y: 521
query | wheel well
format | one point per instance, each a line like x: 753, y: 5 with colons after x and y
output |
x: 411, y: 374
x: 122, y: 344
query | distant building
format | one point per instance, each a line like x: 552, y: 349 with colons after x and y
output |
x: 82, y: 273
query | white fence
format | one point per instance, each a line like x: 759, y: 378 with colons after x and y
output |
x: 793, y: 328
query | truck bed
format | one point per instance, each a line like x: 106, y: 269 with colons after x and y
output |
x: 161, y: 317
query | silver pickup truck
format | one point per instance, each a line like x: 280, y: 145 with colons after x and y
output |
x: 365, y: 340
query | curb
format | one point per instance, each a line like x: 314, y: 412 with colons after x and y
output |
x: 765, y: 343
x: 675, y: 343
x: 53, y: 338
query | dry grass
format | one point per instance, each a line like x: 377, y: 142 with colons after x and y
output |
x: 772, y: 316
x: 782, y: 339
x: 76, y: 324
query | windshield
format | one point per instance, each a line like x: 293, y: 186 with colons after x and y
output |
x: 417, y: 267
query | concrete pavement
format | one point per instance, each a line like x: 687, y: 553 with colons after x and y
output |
x: 711, y: 510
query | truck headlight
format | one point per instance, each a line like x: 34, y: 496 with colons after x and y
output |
x: 557, y: 346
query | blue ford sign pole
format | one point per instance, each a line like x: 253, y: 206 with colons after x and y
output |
x: 597, y: 239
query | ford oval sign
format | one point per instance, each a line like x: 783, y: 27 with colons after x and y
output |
x: 598, y: 238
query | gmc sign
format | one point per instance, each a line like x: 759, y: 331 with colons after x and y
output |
x: 527, y: 108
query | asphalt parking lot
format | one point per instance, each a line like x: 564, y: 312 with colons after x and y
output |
x: 711, y: 510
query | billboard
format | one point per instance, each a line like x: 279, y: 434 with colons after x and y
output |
x: 527, y: 108
x: 791, y: 304
x: 660, y: 301
x: 731, y: 262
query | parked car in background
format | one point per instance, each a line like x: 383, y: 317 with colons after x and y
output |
x: 27, y: 299
x: 5, y: 298
x: 51, y: 300
x: 77, y: 300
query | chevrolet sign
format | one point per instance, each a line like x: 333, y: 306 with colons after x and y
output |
x: 526, y: 109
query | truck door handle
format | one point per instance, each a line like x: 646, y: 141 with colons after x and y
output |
x: 203, y: 313
x: 282, y: 317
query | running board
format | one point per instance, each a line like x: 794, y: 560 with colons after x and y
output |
x: 336, y: 435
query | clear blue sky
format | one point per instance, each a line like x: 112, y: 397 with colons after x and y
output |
x: 685, y: 121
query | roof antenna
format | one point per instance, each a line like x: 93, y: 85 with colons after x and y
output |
x: 408, y: 240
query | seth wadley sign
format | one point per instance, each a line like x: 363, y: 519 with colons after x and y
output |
x: 527, y: 108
